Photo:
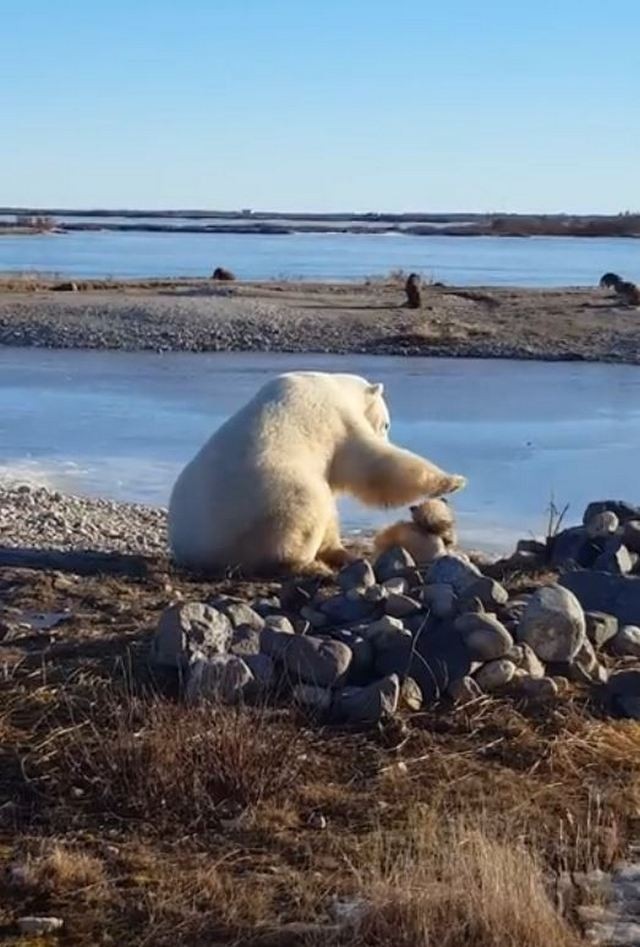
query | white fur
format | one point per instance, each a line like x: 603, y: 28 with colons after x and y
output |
x: 259, y: 495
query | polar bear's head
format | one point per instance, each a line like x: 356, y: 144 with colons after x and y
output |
x: 376, y: 411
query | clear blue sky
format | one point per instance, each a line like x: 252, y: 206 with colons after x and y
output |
x: 485, y: 105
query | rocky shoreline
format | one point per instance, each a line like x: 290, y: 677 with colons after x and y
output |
x: 367, y: 318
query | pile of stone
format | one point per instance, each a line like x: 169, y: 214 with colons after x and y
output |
x: 390, y: 634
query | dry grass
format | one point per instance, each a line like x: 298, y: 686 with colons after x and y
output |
x: 142, y: 821
x: 449, y: 885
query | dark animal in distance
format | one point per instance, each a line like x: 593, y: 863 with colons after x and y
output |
x: 609, y: 280
x: 221, y: 274
x: 412, y: 289
x: 627, y: 293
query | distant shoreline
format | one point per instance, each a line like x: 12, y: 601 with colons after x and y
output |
x: 258, y: 222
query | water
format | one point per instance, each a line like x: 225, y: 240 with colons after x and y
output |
x: 536, y: 261
x: 122, y: 425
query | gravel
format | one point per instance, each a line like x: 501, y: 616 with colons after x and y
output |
x: 36, y: 517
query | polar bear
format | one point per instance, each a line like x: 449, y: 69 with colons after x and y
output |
x: 259, y: 495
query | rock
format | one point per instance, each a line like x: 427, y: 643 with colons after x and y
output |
x: 571, y: 546
x: 341, y: 610
x: 437, y: 656
x: 357, y: 575
x: 626, y: 642
x: 397, y: 584
x: 245, y: 640
x: 495, y: 675
x: 440, y: 599
x: 313, y: 697
x: 487, y: 591
x: 315, y: 618
x: 484, y: 636
x: 190, y: 630
x: 410, y: 694
x: 393, y: 562
x: 309, y: 660
x: 399, y: 606
x: 603, y: 592
x: 624, y: 511
x: 279, y: 623
x: 368, y: 705
x: 600, y: 628
x: 383, y: 630
x: 532, y: 547
x: 553, y: 624
x: 631, y: 535
x: 614, y: 558
x: 239, y: 613
x: 602, y: 525
x: 453, y: 570
x: 361, y: 669
x: 621, y: 694
x: 535, y: 688
x: 377, y: 594
x: 263, y: 670
x: 223, y: 677
x: 464, y: 690
x: 267, y: 606
x: 526, y: 660
x: 39, y: 926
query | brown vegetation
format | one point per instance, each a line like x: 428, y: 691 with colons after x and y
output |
x: 135, y: 817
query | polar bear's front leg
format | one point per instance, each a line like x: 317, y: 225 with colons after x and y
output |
x: 383, y: 475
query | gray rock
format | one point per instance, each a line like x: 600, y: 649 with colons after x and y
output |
x: 342, y: 610
x: 267, y: 606
x: 239, y: 613
x: 307, y: 659
x: 393, y: 562
x: 262, y: 669
x: 438, y: 656
x: 600, y: 628
x: 525, y: 659
x: 532, y: 547
x: 279, y: 623
x: 454, y: 570
x: 484, y: 636
x: 315, y: 618
x: 361, y: 669
x: 464, y: 690
x: 624, y: 511
x: 535, y: 688
x: 189, y: 630
x: 621, y: 694
x: 631, y: 535
x: 603, y: 592
x: 245, y: 640
x: 627, y: 642
x: 377, y: 594
x: 224, y: 677
x: 570, y: 546
x: 357, y: 575
x: 397, y: 584
x: 553, y: 624
x: 487, y: 591
x: 583, y: 668
x: 495, y: 674
x: 615, y: 558
x: 368, y: 705
x: 602, y: 525
x: 313, y: 697
x: 440, y: 599
x: 400, y: 606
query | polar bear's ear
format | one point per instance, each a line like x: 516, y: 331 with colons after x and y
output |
x: 375, y: 390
